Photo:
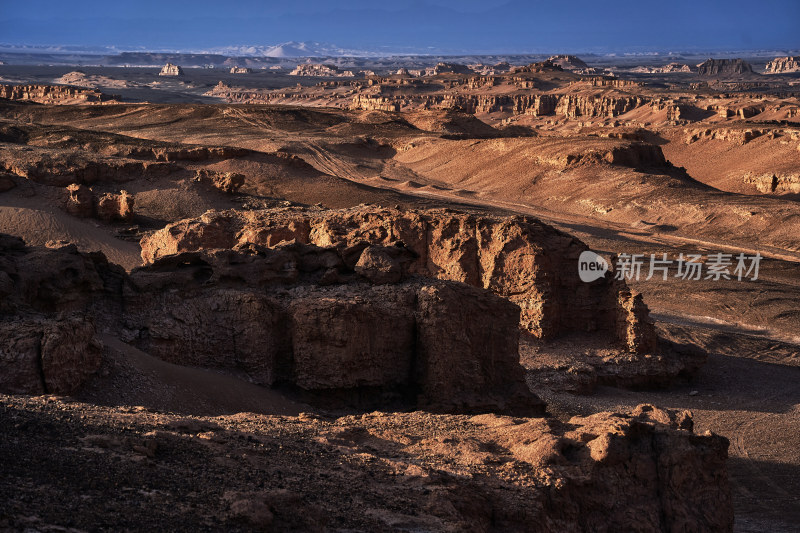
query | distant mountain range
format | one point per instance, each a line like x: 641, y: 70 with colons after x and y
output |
x: 454, y: 27
x: 282, y: 50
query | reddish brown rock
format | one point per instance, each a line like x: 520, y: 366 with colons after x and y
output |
x: 519, y: 258
x: 268, y: 313
x: 224, y: 181
x: 113, y: 207
x: 47, y: 356
x: 345, y: 337
x: 80, y: 200
x: 465, y: 342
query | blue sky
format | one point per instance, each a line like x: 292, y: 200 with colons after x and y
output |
x: 464, y: 26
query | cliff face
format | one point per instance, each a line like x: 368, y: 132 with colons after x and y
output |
x: 336, y: 323
x: 54, y: 94
x: 518, y: 258
x: 569, y: 106
x: 723, y: 67
x: 783, y: 64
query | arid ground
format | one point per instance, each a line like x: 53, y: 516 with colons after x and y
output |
x: 430, y: 220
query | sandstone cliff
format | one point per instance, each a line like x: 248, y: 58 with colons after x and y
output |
x: 519, y: 258
x: 55, y: 94
x: 783, y: 64
x: 724, y: 67
x: 300, y: 316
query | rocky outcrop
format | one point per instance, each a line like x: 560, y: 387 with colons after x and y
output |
x: 331, y: 329
x: 518, y: 258
x: 448, y: 68
x: 299, y: 316
x: 112, y: 207
x: 724, y: 67
x: 634, y: 324
x: 241, y: 70
x: 573, y: 106
x: 320, y: 70
x: 40, y: 356
x: 171, y: 70
x: 373, y: 103
x: 57, y: 168
x: 55, y: 94
x: 224, y: 181
x: 669, y: 68
x: 774, y: 183
x: 739, y: 136
x: 568, y: 62
x: 568, y: 106
x: 642, y: 469
x: 49, y: 299
x: 780, y: 65
x: 81, y: 201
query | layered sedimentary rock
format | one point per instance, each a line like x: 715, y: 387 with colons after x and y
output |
x: 224, y: 181
x: 296, y: 315
x: 783, y: 64
x: 723, y: 67
x: 327, y: 327
x: 519, y: 258
x: 54, y: 94
x: 568, y: 106
x: 778, y: 183
x: 320, y: 70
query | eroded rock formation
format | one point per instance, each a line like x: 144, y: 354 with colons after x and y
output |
x: 783, y: 64
x: 171, y: 70
x: 643, y: 469
x: 48, y: 302
x: 519, y: 258
x: 723, y: 67
x: 54, y: 94
x: 81, y: 201
x: 297, y: 315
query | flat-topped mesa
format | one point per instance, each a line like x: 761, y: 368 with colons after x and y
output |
x: 171, y: 70
x: 724, y: 67
x: 780, y: 65
x: 519, y: 258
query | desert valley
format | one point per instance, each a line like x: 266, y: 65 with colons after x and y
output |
x: 351, y: 294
